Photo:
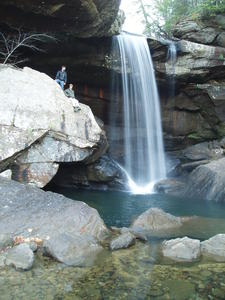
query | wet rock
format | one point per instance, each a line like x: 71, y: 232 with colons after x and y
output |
x: 42, y: 214
x: 170, y: 186
x: 104, y: 170
x: 214, y: 248
x: 6, y: 240
x: 156, y: 219
x: 125, y: 240
x: 21, y: 257
x: 181, y: 249
x: 207, y: 181
x: 35, y: 137
x: 73, y: 250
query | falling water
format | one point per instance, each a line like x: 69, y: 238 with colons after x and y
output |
x: 171, y: 66
x: 144, y: 160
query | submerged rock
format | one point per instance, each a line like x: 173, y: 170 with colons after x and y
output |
x: 32, y: 213
x: 214, y: 248
x: 73, y: 250
x: 207, y: 181
x: 181, y: 249
x: 21, y: 257
x: 39, y: 129
x: 125, y: 240
x: 155, y: 219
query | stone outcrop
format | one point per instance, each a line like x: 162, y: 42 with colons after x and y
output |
x: 39, y: 129
x: 32, y: 213
x: 85, y: 18
x: 182, y: 249
x: 206, y: 31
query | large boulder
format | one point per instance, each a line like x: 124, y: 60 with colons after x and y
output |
x: 21, y: 257
x: 214, y: 248
x: 39, y: 129
x: 155, y: 219
x: 83, y: 18
x: 73, y: 250
x: 32, y: 213
x: 207, y: 181
x: 182, y: 249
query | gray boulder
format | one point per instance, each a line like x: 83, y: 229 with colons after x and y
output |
x: 214, y: 248
x: 5, y: 241
x: 125, y: 240
x: 207, y: 181
x: 32, y: 213
x: 181, y: 249
x: 20, y: 257
x: 73, y: 250
x: 155, y: 219
x: 39, y: 129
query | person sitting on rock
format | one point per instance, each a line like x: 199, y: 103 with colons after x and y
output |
x: 61, y: 77
x: 70, y: 94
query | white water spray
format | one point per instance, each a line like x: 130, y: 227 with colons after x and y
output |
x: 144, y: 160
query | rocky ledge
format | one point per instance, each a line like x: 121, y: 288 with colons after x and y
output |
x: 83, y: 18
x: 39, y: 129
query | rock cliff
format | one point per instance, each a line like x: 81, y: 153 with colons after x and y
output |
x: 83, y: 18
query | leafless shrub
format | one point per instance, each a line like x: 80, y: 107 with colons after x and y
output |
x: 11, y: 45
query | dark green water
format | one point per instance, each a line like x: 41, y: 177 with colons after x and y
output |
x: 119, y: 209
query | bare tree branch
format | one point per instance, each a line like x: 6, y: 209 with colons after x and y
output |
x: 10, y: 45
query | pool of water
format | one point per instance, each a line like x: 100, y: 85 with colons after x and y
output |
x: 120, y: 209
x: 137, y: 273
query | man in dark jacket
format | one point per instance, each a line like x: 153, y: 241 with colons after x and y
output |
x: 61, y: 77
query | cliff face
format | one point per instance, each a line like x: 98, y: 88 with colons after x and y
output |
x: 83, y: 18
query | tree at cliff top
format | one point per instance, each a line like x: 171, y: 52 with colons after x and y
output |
x: 160, y: 16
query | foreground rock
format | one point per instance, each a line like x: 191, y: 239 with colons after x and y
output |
x: 214, y: 248
x: 156, y: 219
x: 20, y: 257
x: 39, y: 129
x: 181, y: 249
x: 77, y: 251
x: 125, y: 240
x: 32, y: 213
x: 208, y: 181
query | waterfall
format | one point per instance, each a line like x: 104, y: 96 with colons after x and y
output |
x: 171, y: 65
x: 144, y: 160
